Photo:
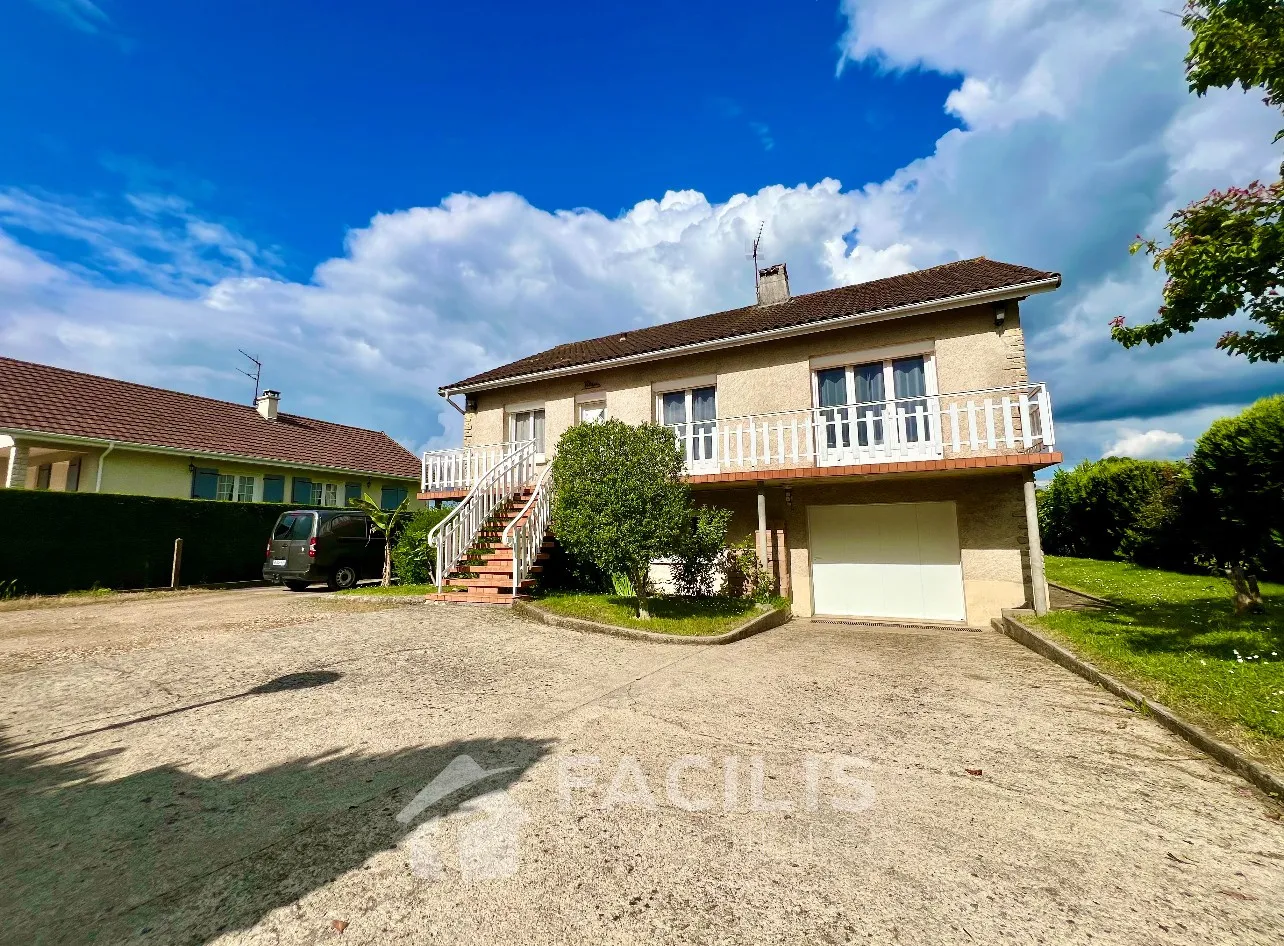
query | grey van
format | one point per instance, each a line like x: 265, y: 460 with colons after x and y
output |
x: 335, y: 546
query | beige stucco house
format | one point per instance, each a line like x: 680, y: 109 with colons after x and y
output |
x: 880, y: 439
x: 67, y: 431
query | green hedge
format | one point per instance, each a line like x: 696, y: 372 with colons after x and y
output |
x: 58, y: 542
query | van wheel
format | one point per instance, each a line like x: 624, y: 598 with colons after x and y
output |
x: 295, y: 585
x: 344, y: 576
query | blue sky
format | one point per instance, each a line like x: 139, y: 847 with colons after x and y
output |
x: 379, y: 199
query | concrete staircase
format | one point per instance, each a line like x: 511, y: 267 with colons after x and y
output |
x: 485, y: 574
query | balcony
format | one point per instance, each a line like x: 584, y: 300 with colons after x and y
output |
x: 449, y: 474
x: 1009, y: 426
x: 996, y: 427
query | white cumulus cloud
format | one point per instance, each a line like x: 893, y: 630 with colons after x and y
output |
x: 1146, y: 445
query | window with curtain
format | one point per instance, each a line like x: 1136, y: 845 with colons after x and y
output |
x: 831, y: 389
x: 527, y: 425
x: 245, y: 489
x: 693, y: 415
x: 331, y: 497
x: 857, y: 396
x: 592, y: 411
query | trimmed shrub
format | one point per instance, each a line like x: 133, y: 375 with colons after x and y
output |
x: 59, y: 542
x: 619, y: 498
x: 1237, y: 475
x: 1111, y: 508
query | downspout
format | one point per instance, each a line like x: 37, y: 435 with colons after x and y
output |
x: 98, y: 477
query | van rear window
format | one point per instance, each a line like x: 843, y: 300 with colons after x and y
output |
x: 294, y: 525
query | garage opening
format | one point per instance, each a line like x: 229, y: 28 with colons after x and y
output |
x: 893, y: 560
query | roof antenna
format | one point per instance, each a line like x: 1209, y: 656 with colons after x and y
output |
x: 752, y: 253
x: 258, y: 373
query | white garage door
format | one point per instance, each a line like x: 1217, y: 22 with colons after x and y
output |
x: 898, y: 560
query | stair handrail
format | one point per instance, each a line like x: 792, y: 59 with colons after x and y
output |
x: 455, y: 534
x: 525, y: 534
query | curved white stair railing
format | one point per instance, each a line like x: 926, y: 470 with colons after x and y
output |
x: 525, y: 534
x: 457, y: 533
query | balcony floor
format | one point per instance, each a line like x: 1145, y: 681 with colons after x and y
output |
x: 1034, y: 461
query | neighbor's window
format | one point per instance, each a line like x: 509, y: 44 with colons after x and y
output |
x: 73, y: 475
x: 331, y: 497
x: 43, y: 475
x: 527, y: 425
x: 317, y: 491
x: 226, y: 486
x: 592, y: 411
x: 245, y: 489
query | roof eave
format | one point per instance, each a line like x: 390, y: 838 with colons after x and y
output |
x: 190, y: 452
x: 842, y: 321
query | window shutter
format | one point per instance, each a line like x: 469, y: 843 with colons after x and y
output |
x: 351, y: 491
x: 391, y: 496
x: 302, y: 491
x: 274, y: 489
x: 204, y: 484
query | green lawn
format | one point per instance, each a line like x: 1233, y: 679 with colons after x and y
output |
x: 379, y: 590
x: 669, y: 615
x: 1176, y: 638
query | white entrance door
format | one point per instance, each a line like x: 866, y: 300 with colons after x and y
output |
x: 886, y: 560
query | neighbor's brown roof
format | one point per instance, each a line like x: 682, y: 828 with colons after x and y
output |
x: 936, y: 284
x: 56, y: 401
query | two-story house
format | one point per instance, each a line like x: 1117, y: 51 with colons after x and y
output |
x: 879, y: 439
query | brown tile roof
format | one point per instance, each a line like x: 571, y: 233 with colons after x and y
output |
x: 936, y: 284
x: 56, y: 401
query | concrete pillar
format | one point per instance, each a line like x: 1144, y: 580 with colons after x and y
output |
x: 16, y: 474
x: 1038, y: 579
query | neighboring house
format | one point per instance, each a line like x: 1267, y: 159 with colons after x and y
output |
x: 879, y: 439
x: 67, y: 431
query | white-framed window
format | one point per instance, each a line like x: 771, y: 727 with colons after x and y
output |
x: 226, y: 486
x: 527, y: 424
x: 315, y: 498
x: 865, y: 401
x: 691, y: 413
x: 245, y: 489
x: 591, y: 412
x: 331, y: 494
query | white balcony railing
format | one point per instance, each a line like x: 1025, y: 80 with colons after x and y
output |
x: 460, y: 469
x: 992, y: 422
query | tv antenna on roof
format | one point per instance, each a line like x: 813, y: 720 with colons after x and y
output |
x: 258, y: 373
x: 751, y: 252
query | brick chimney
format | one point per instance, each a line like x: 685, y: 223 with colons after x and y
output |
x: 268, y: 404
x: 773, y: 284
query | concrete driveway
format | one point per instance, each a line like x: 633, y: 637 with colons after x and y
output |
x: 807, y: 785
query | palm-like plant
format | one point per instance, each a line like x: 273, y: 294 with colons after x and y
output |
x: 385, y: 520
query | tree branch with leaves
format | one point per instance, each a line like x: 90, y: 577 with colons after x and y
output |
x: 1226, y: 254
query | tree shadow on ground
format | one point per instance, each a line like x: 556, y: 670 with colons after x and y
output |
x: 1205, y: 625
x: 167, y: 856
